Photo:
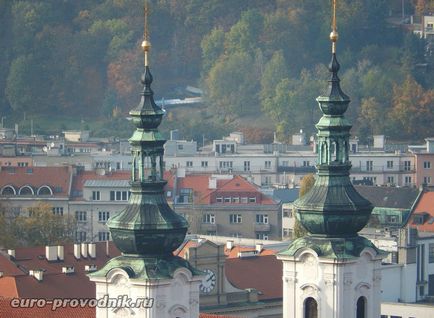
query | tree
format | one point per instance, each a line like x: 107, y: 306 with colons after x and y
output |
x: 232, y: 85
x: 275, y: 71
x: 43, y: 227
x: 412, y: 110
x: 212, y: 48
x: 306, y: 184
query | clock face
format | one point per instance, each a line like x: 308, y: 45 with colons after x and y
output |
x: 209, y: 282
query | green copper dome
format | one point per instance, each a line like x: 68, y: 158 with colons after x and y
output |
x: 332, y: 207
x: 147, y: 226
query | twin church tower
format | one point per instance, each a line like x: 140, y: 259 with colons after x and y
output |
x: 332, y: 272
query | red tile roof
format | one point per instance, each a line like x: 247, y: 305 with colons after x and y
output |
x: 83, y: 176
x: 264, y: 273
x: 54, y: 283
x: 36, y: 177
x: 7, y: 311
x: 199, y: 183
x: 233, y: 252
x: 424, y: 206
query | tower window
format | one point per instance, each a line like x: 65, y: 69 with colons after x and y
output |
x: 361, y: 307
x: 310, y: 308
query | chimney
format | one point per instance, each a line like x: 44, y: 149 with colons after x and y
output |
x: 259, y: 247
x: 92, y: 250
x: 212, y: 183
x: 1, y: 274
x: 11, y: 253
x: 90, y: 268
x: 51, y: 253
x: 38, y: 274
x: 77, y: 250
x: 229, y: 244
x: 84, y: 250
x: 68, y: 269
x: 60, y: 253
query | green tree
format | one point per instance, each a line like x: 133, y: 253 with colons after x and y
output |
x: 42, y: 227
x: 212, y: 48
x: 275, y: 71
x: 232, y: 85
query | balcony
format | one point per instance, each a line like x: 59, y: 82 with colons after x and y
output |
x: 262, y: 227
x: 381, y: 168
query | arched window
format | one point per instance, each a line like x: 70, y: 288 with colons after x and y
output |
x: 361, y: 307
x: 45, y: 190
x: 310, y: 308
x: 8, y: 190
x: 26, y: 190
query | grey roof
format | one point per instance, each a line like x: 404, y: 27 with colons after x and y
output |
x: 389, y: 197
x: 286, y: 195
x: 107, y: 183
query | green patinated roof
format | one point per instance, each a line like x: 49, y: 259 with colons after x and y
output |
x: 333, y: 248
x: 331, y: 121
x: 142, y: 135
x: 142, y: 268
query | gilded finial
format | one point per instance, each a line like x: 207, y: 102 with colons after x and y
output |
x: 334, y: 36
x: 146, y: 44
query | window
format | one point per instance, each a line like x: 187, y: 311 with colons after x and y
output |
x: 244, y: 200
x: 103, y: 236
x: 211, y: 233
x: 96, y: 195
x: 246, y: 165
x: 180, y: 147
x: 267, y: 164
x: 391, y: 219
x: 427, y: 164
x: 103, y: 216
x: 189, y: 163
x: 431, y: 253
x: 389, y: 164
x: 81, y: 216
x: 252, y: 200
x: 407, y: 180
x: 185, y: 195
x: 236, y: 200
x: 306, y: 164
x: 262, y: 218
x: 390, y: 180
x: 235, y: 234
x: 266, y: 180
x: 361, y: 307
x: 58, y: 211
x: 369, y: 165
x: 261, y: 236
x: 285, y: 163
x: 204, y: 164
x: 118, y: 195
x: 227, y: 200
x: 219, y: 199
x: 427, y: 180
x: 235, y: 218
x: 80, y: 236
x: 225, y: 164
x: 407, y: 165
x: 208, y: 218
x: 310, y: 308
x: 287, y: 213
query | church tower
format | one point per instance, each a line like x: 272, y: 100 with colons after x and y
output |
x: 332, y: 272
x: 147, y: 280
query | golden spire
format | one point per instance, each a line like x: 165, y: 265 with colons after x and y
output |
x: 146, y: 44
x: 334, y: 36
